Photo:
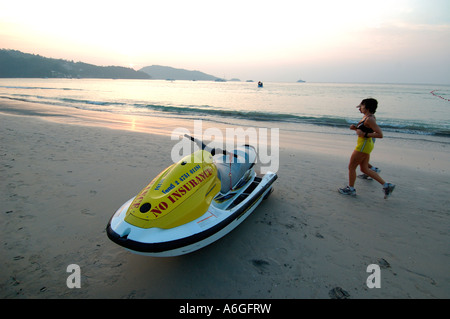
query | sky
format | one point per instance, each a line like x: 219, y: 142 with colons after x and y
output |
x: 382, y: 41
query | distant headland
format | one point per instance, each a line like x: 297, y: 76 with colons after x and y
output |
x: 17, y: 64
x: 158, y: 72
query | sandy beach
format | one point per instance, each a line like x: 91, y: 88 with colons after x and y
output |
x: 61, y: 181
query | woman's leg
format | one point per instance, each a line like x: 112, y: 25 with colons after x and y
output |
x: 355, y: 160
x: 366, y: 170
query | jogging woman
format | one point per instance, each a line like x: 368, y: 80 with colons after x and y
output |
x: 366, y: 129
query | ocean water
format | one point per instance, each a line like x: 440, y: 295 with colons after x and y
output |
x: 415, y: 110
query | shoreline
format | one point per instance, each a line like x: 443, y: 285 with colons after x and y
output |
x: 61, y: 183
x: 417, y: 152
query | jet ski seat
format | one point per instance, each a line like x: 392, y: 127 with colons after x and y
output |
x: 244, y: 161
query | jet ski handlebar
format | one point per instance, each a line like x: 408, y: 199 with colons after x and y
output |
x: 213, y: 151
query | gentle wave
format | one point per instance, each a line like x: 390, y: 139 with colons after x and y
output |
x: 410, y: 128
x: 37, y: 88
x: 100, y: 103
x: 249, y: 115
x: 58, y: 101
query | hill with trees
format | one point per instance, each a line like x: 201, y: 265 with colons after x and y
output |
x: 16, y: 64
x: 168, y: 73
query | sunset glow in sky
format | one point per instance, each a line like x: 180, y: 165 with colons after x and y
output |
x: 406, y: 41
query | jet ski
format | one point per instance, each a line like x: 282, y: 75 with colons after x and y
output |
x: 192, y: 203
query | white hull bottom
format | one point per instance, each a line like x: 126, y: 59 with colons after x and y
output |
x: 205, y: 242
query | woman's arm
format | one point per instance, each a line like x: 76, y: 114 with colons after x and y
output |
x: 372, y: 123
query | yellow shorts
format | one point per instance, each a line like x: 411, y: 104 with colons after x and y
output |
x: 364, y: 145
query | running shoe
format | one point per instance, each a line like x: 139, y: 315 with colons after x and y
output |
x: 347, y: 191
x: 365, y: 176
x: 388, y: 189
